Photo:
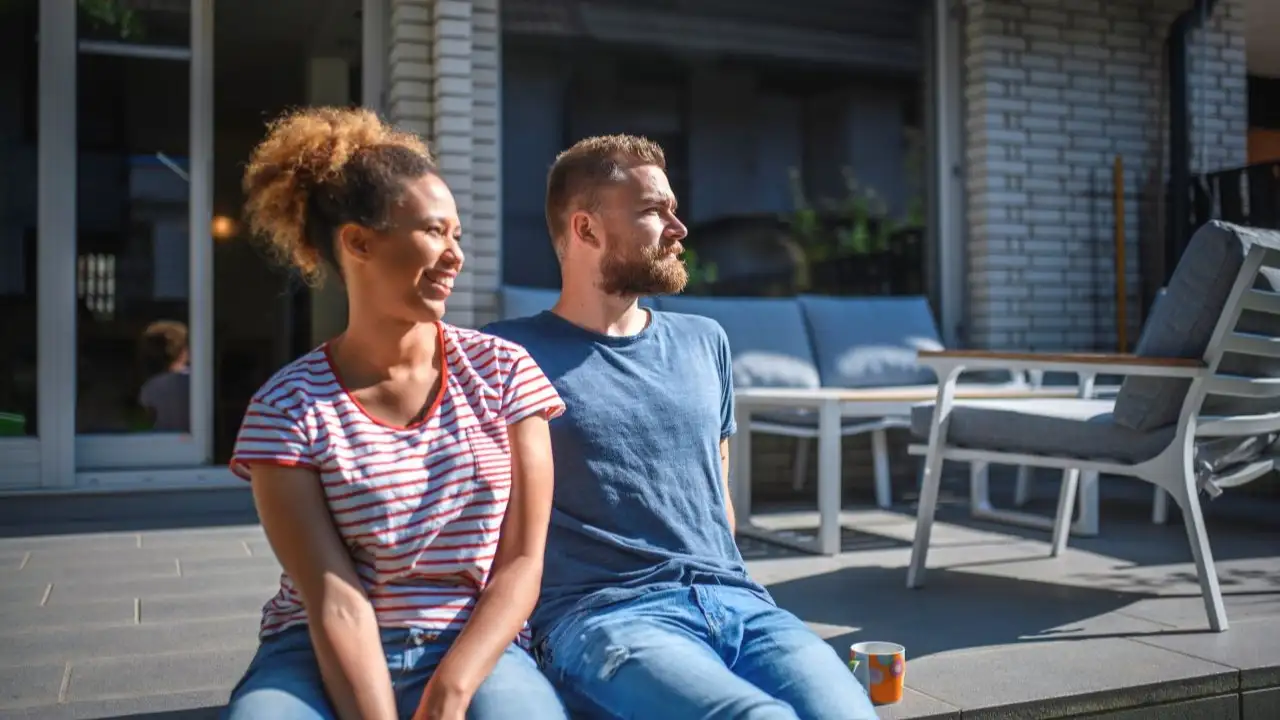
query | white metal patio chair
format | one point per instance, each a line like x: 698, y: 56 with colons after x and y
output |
x: 1199, y: 408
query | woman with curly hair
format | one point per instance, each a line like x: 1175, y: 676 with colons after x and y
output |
x: 402, y: 471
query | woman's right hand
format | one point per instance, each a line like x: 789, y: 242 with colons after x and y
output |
x: 344, y: 629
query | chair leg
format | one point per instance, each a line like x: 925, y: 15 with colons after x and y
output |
x: 800, y: 466
x: 1160, y: 507
x: 880, y: 458
x: 1087, y: 523
x: 979, y: 486
x: 1062, y: 519
x: 924, y: 516
x: 1188, y: 500
x: 1022, y: 490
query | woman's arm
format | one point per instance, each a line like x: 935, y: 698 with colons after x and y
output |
x: 344, y: 631
x: 516, y: 577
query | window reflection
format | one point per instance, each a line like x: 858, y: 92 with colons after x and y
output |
x: 18, y: 134
x: 132, y: 205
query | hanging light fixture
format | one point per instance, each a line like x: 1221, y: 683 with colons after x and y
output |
x: 224, y: 228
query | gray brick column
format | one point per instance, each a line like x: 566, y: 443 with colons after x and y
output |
x: 1054, y: 90
x: 443, y: 84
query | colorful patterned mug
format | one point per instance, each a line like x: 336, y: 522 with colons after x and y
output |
x: 881, y: 668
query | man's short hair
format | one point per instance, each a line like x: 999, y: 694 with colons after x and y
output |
x: 582, y: 169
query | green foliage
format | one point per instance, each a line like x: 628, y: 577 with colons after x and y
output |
x: 857, y: 223
x: 123, y: 21
x: 699, y: 274
x: 110, y: 14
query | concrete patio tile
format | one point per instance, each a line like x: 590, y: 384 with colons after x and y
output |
x: 956, y: 610
x: 1252, y: 646
x: 246, y: 605
x: 915, y: 706
x: 91, y: 612
x: 260, y: 548
x: 1187, y: 611
x: 1094, y: 676
x: 886, y: 525
x: 88, y: 574
x: 198, y: 705
x: 28, y: 685
x: 100, y: 541
x: 21, y: 594
x: 202, y: 532
x: 1083, y: 568
x: 206, y: 567
x: 156, y: 674
x: 66, y: 644
x: 780, y: 569
x: 13, y: 559
x: 180, y: 542
x: 76, y: 558
x: 112, y: 587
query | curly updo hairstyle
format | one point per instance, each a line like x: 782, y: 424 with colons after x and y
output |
x: 319, y: 168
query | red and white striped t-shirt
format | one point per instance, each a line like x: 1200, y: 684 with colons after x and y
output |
x: 419, y: 507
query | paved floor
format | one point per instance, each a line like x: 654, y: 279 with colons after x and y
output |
x: 107, y: 612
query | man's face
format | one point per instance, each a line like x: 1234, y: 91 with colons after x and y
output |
x: 641, y: 253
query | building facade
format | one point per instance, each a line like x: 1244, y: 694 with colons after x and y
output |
x: 1024, y: 106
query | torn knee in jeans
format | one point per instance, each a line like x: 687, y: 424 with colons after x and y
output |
x: 614, y: 657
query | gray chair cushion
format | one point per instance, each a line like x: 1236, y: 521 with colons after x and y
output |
x: 870, y: 341
x: 767, y: 337
x: 1055, y: 427
x: 1182, y: 323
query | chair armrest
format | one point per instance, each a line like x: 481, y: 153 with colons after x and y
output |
x: 945, y: 362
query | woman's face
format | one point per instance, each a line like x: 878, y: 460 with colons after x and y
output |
x: 408, y: 270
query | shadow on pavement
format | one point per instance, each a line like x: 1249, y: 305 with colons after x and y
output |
x: 958, y: 610
x: 43, y: 515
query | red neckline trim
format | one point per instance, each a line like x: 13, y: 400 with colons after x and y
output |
x: 435, y: 404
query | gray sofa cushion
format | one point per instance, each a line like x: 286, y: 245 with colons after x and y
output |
x: 870, y: 341
x: 767, y: 336
x: 1057, y: 427
x: 804, y: 419
x: 518, y: 302
x: 1182, y: 323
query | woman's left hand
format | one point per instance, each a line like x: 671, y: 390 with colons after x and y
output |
x: 442, y: 700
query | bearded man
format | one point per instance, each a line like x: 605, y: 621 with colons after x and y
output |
x: 647, y: 609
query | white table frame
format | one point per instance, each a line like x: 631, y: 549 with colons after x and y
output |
x: 832, y: 406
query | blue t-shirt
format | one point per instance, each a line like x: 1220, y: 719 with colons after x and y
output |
x: 639, y: 501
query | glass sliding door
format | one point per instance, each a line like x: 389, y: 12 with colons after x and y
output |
x: 19, y: 137
x: 142, y: 240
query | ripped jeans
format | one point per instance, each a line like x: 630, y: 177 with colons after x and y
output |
x: 699, y: 653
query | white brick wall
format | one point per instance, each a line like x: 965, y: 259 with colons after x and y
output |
x: 1054, y: 90
x: 443, y: 78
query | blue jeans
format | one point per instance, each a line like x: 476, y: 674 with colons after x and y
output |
x: 698, y: 653
x: 283, y: 680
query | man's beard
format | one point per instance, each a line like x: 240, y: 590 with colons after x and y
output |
x: 651, y: 271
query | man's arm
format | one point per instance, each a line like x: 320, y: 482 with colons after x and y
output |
x: 724, y: 479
